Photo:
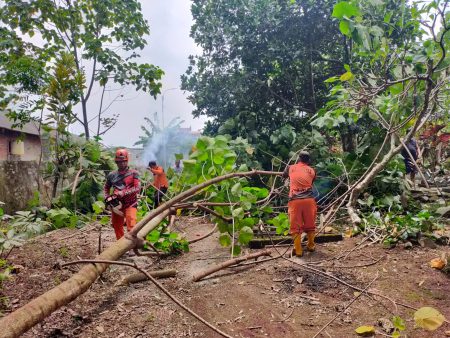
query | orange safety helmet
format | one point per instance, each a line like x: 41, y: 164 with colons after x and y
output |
x: 121, y: 155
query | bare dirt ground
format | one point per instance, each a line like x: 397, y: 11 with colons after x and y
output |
x: 272, y: 299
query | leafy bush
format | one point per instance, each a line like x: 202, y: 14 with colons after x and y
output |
x: 395, y: 227
x: 167, y: 241
x: 91, y: 164
x: 281, y: 222
x: 218, y: 156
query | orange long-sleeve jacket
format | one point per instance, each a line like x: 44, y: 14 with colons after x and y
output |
x: 160, y: 179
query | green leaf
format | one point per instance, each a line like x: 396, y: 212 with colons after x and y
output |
x: 238, y: 213
x: 346, y: 76
x: 223, y: 226
x: 345, y: 9
x: 344, y: 27
x: 246, y: 205
x: 428, y: 318
x: 73, y: 220
x: 245, y: 235
x: 365, y: 330
x: 225, y: 240
x: 396, y: 334
x: 173, y: 235
x: 218, y: 157
x: 236, y: 250
x: 236, y: 190
x: 373, y: 116
x: 98, y: 207
x: 399, y: 323
x: 153, y: 236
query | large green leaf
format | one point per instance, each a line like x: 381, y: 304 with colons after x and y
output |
x: 245, y: 235
x: 345, y: 9
x: 225, y: 240
x: 236, y: 189
x: 344, y: 27
x: 238, y: 213
x: 428, y: 318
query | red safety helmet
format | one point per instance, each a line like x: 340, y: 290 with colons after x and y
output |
x: 121, y: 155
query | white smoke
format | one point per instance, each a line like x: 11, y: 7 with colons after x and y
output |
x: 164, y: 144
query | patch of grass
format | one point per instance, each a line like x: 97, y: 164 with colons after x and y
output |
x: 413, y: 296
x: 57, y: 281
x: 64, y: 252
x: 4, y: 300
x: 150, y: 317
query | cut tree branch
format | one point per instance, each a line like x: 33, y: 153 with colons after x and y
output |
x: 202, y: 274
x: 158, y: 285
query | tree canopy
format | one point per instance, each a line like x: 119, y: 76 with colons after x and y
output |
x: 103, y: 36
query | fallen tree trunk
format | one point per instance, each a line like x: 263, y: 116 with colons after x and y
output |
x: 223, y: 265
x: 24, y: 318
x: 140, y: 277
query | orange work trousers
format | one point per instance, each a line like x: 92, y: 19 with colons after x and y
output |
x: 302, y: 215
x: 129, y: 215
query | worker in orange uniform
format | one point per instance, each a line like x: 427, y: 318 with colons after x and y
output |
x: 159, y: 182
x: 302, y: 208
x: 125, y: 187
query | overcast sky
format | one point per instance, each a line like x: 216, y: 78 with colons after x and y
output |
x: 169, y: 46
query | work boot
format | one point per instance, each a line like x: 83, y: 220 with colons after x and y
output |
x: 298, y: 245
x: 311, y: 246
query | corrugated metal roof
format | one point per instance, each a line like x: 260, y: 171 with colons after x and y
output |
x: 28, y: 128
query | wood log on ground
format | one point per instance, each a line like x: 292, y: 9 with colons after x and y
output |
x: 210, y: 270
x: 140, y: 277
x: 258, y: 243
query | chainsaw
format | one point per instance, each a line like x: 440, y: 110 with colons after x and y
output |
x: 114, y: 205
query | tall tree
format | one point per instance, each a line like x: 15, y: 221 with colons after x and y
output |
x: 395, y: 85
x: 103, y: 36
x: 263, y: 65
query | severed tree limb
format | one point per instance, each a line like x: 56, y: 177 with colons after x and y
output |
x: 24, y: 318
x: 157, y: 284
x: 346, y: 307
x: 185, y: 194
x: 212, y: 212
x: 204, y: 236
x: 172, y: 219
x: 202, y: 274
x: 140, y: 277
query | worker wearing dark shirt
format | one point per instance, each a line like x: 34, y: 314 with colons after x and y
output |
x: 410, y: 168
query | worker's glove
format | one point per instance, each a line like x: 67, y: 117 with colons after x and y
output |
x: 112, y: 201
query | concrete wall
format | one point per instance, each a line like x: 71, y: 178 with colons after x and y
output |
x: 18, y: 182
